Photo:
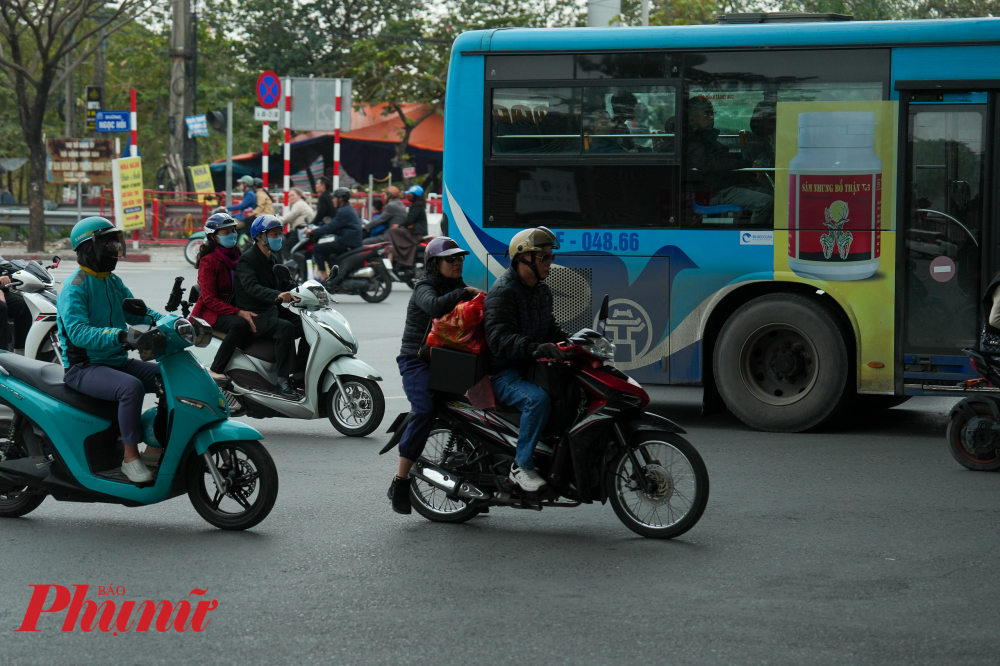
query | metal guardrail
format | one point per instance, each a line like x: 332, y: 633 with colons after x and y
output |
x: 11, y: 216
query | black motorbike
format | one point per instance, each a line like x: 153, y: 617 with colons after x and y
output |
x: 974, y: 423
x: 611, y: 449
x: 361, y: 271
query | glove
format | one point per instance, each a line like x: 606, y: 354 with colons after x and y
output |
x: 135, y: 339
x: 553, y: 351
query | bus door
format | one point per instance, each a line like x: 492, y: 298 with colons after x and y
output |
x: 945, y: 238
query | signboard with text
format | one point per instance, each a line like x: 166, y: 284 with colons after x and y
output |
x: 95, y: 102
x: 201, y: 178
x: 266, y: 115
x: 127, y: 184
x: 80, y: 160
x: 409, y: 172
x: 111, y: 121
x: 197, y: 126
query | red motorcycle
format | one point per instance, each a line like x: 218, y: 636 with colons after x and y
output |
x: 614, y: 451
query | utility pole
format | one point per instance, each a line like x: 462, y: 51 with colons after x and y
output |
x: 181, y: 86
x: 70, y: 130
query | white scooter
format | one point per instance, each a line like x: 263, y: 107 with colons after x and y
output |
x: 336, y: 384
x: 37, y: 286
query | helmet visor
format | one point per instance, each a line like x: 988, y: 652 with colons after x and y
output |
x: 110, y: 243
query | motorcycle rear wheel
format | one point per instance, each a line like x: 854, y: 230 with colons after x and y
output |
x: 431, y: 502
x: 253, y: 487
x: 681, y: 480
x: 384, y: 286
x: 962, y: 455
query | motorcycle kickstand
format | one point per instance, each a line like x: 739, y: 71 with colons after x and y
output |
x: 222, y: 485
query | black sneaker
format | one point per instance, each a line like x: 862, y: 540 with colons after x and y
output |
x: 399, y: 495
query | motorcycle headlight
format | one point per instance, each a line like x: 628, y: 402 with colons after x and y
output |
x: 321, y: 295
x: 601, y: 347
x: 184, y: 329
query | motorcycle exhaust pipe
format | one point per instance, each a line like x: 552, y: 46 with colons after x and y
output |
x: 366, y: 272
x: 444, y: 480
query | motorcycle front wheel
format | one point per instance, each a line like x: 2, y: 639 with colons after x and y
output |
x: 679, y: 486
x: 252, y: 485
x: 17, y: 500
x: 192, y: 248
x: 359, y: 412
x: 383, y: 285
x: 430, y: 502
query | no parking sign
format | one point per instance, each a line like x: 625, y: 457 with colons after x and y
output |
x: 268, y: 89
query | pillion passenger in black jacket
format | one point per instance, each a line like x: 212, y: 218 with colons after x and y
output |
x: 434, y: 296
x: 256, y: 289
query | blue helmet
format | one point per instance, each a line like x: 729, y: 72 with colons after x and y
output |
x: 218, y: 221
x: 263, y: 223
x: 416, y: 191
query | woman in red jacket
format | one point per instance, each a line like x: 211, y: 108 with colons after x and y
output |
x: 216, y: 266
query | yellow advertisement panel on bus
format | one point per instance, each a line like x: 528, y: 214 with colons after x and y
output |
x: 834, y: 214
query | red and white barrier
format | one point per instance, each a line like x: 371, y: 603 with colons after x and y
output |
x: 288, y: 141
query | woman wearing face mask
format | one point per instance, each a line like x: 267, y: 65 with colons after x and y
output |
x: 216, y: 266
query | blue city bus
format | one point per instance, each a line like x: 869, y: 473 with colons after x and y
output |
x: 797, y: 212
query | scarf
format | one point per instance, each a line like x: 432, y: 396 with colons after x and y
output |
x: 229, y: 257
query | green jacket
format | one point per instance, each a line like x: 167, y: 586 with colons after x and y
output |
x: 90, y: 318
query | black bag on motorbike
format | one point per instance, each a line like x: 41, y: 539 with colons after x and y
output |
x: 454, y: 371
x: 560, y: 383
x: 989, y: 342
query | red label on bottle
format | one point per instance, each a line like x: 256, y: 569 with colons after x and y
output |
x: 835, y: 219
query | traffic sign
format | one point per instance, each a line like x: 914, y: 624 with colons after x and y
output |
x: 268, y: 89
x: 266, y: 115
x: 111, y: 121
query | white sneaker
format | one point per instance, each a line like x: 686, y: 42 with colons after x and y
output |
x: 528, y: 479
x: 136, y: 472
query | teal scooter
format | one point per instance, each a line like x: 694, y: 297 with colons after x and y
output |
x: 66, y: 444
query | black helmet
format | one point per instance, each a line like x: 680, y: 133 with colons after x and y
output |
x: 258, y: 182
x: 342, y: 193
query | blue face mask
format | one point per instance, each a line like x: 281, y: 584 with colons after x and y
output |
x: 227, y: 241
x: 274, y: 243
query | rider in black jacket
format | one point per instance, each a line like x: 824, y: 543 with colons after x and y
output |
x: 434, y: 296
x: 345, y: 227
x: 257, y: 288
x: 519, y: 324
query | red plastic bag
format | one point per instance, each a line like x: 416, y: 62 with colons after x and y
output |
x: 462, y: 328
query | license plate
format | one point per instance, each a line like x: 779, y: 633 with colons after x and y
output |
x: 387, y: 263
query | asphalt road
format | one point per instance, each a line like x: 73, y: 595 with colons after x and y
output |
x: 864, y: 544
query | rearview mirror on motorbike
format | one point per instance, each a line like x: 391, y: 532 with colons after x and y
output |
x: 281, y: 272
x: 602, y: 317
x: 134, y: 306
x: 55, y: 262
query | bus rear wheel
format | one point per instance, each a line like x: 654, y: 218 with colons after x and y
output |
x: 782, y: 365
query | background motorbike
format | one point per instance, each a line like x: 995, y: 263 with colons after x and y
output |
x: 361, y: 271
x: 336, y: 384
x: 66, y: 444
x: 614, y: 451
x: 37, y: 286
x: 974, y: 423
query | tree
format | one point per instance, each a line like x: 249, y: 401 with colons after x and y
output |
x: 35, y: 38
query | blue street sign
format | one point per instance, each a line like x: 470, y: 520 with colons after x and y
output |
x: 112, y: 121
x: 197, y: 125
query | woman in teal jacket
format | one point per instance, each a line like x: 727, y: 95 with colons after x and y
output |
x: 93, y: 327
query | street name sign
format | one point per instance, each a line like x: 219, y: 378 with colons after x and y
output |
x: 111, y: 121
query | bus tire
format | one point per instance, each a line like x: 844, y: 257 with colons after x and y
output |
x: 781, y: 364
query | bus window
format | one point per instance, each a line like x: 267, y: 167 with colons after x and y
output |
x: 535, y: 121
x: 581, y: 196
x: 626, y: 66
x: 633, y: 118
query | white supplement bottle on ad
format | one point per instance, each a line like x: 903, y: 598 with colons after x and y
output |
x: 835, y: 197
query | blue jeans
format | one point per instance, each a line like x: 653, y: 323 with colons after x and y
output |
x: 533, y: 402
x: 416, y: 379
x: 125, y: 385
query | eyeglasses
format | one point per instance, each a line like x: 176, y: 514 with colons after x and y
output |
x: 546, y: 258
x: 454, y: 258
